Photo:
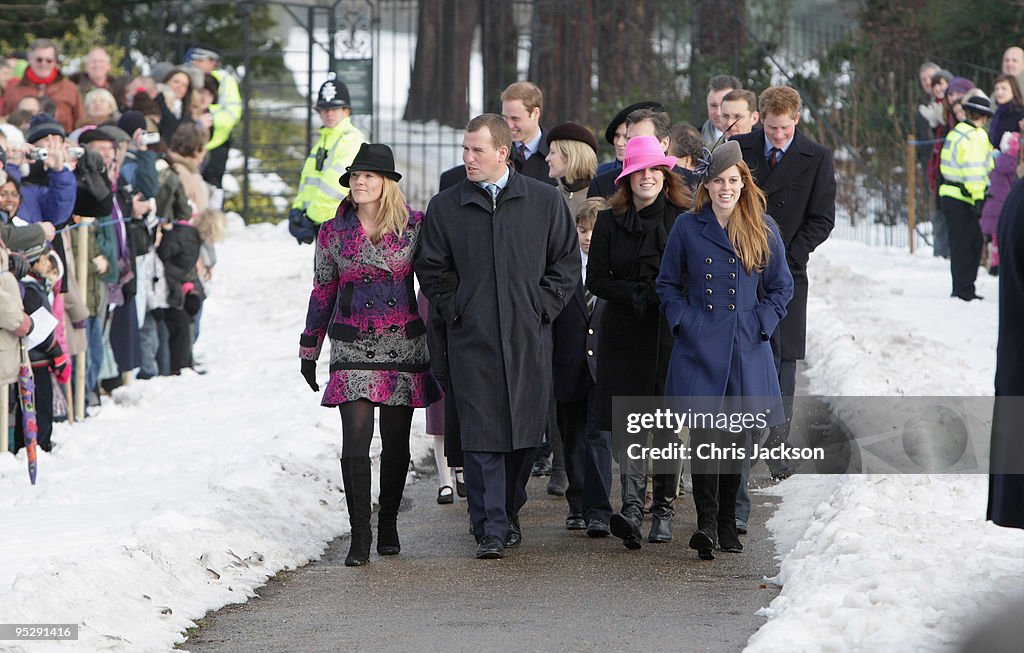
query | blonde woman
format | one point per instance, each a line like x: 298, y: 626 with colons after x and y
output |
x: 715, y: 259
x: 363, y: 300
x: 572, y: 161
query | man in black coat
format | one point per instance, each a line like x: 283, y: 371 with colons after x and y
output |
x: 798, y: 178
x: 498, y: 261
x: 1006, y: 482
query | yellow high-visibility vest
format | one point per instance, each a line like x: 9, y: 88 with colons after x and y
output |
x: 965, y: 163
x: 320, y: 191
x: 227, y: 112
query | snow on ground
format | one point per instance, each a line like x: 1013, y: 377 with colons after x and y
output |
x: 889, y: 562
x: 184, y: 494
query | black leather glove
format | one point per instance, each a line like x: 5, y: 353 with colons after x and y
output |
x: 18, y: 265
x: 309, y: 373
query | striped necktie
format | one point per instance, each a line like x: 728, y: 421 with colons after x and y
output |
x: 774, y: 155
x: 590, y: 299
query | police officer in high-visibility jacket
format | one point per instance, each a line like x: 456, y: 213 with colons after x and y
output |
x: 320, y: 189
x: 226, y: 112
x: 965, y: 164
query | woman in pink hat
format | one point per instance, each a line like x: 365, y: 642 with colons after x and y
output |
x: 634, y: 343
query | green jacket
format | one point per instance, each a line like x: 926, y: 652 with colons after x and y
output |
x: 320, y: 191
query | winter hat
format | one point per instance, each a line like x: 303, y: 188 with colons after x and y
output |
x: 572, y: 131
x: 942, y: 73
x: 41, y: 126
x: 372, y: 157
x: 36, y: 252
x: 978, y: 104
x: 94, y: 134
x: 959, y: 85
x: 201, y: 52
x: 644, y: 152
x: 620, y: 117
x: 160, y: 70
x: 130, y: 121
x: 722, y: 158
x: 333, y: 94
x: 117, y: 134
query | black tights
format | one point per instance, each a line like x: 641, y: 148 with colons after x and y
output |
x: 357, y: 429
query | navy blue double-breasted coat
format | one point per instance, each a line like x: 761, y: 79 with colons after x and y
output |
x: 721, y: 328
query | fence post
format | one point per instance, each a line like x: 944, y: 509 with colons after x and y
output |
x: 82, y: 260
x: 911, y: 187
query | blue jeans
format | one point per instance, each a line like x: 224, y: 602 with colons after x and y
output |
x: 94, y: 353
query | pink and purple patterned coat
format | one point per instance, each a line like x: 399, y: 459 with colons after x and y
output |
x: 363, y: 299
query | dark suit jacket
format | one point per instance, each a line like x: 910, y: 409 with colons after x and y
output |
x: 575, y: 347
x: 801, y: 192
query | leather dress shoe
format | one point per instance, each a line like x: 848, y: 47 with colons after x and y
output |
x: 575, y: 522
x: 541, y: 467
x: 490, y: 548
x: 558, y: 483
x: 626, y: 530
x: 741, y: 527
x: 661, y: 530
x: 514, y: 535
x: 460, y: 484
x: 597, y: 528
x: 443, y: 496
x: 704, y: 544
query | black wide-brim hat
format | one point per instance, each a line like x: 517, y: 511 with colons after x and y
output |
x: 620, y: 117
x: 372, y: 157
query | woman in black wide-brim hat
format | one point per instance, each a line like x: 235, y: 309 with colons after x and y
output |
x: 363, y: 299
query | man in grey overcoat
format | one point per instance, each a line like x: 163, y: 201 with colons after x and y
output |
x: 498, y: 260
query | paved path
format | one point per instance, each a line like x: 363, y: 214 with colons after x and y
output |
x: 559, y: 591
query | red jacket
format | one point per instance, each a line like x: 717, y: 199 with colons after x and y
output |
x: 62, y: 91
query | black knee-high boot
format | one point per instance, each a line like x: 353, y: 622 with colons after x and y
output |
x: 393, y: 470
x: 728, y: 537
x: 625, y: 524
x: 356, y: 474
x: 665, y: 488
x: 705, y: 498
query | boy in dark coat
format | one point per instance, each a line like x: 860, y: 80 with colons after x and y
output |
x: 588, y: 457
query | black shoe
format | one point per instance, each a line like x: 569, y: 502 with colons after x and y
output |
x: 445, y: 497
x: 541, y: 467
x: 704, y: 545
x: 597, y: 528
x: 741, y: 527
x: 460, y: 485
x: 661, y: 530
x: 968, y: 298
x: 388, y: 543
x: 490, y: 548
x: 626, y: 530
x: 575, y: 522
x: 729, y: 541
x: 558, y: 484
x: 514, y: 535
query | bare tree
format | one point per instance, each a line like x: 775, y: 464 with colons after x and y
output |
x: 498, y: 36
x: 562, y: 57
x: 440, y: 76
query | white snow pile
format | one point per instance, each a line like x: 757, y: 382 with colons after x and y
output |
x: 184, y: 494
x: 889, y: 562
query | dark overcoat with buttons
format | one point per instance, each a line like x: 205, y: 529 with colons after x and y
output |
x: 498, y: 274
x: 634, y: 343
x: 575, y: 339
x: 801, y: 192
x: 721, y: 328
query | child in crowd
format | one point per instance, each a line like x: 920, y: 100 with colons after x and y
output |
x: 588, y: 459
x: 38, y: 285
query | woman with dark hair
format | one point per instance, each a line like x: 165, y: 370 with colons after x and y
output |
x: 1009, y: 111
x: 363, y: 299
x: 717, y: 262
x: 633, y: 340
x: 174, y: 97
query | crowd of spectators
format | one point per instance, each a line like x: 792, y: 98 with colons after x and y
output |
x: 118, y: 176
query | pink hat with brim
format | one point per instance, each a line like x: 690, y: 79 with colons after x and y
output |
x: 644, y: 152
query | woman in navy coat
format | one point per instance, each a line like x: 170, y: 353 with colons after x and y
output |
x: 715, y: 260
